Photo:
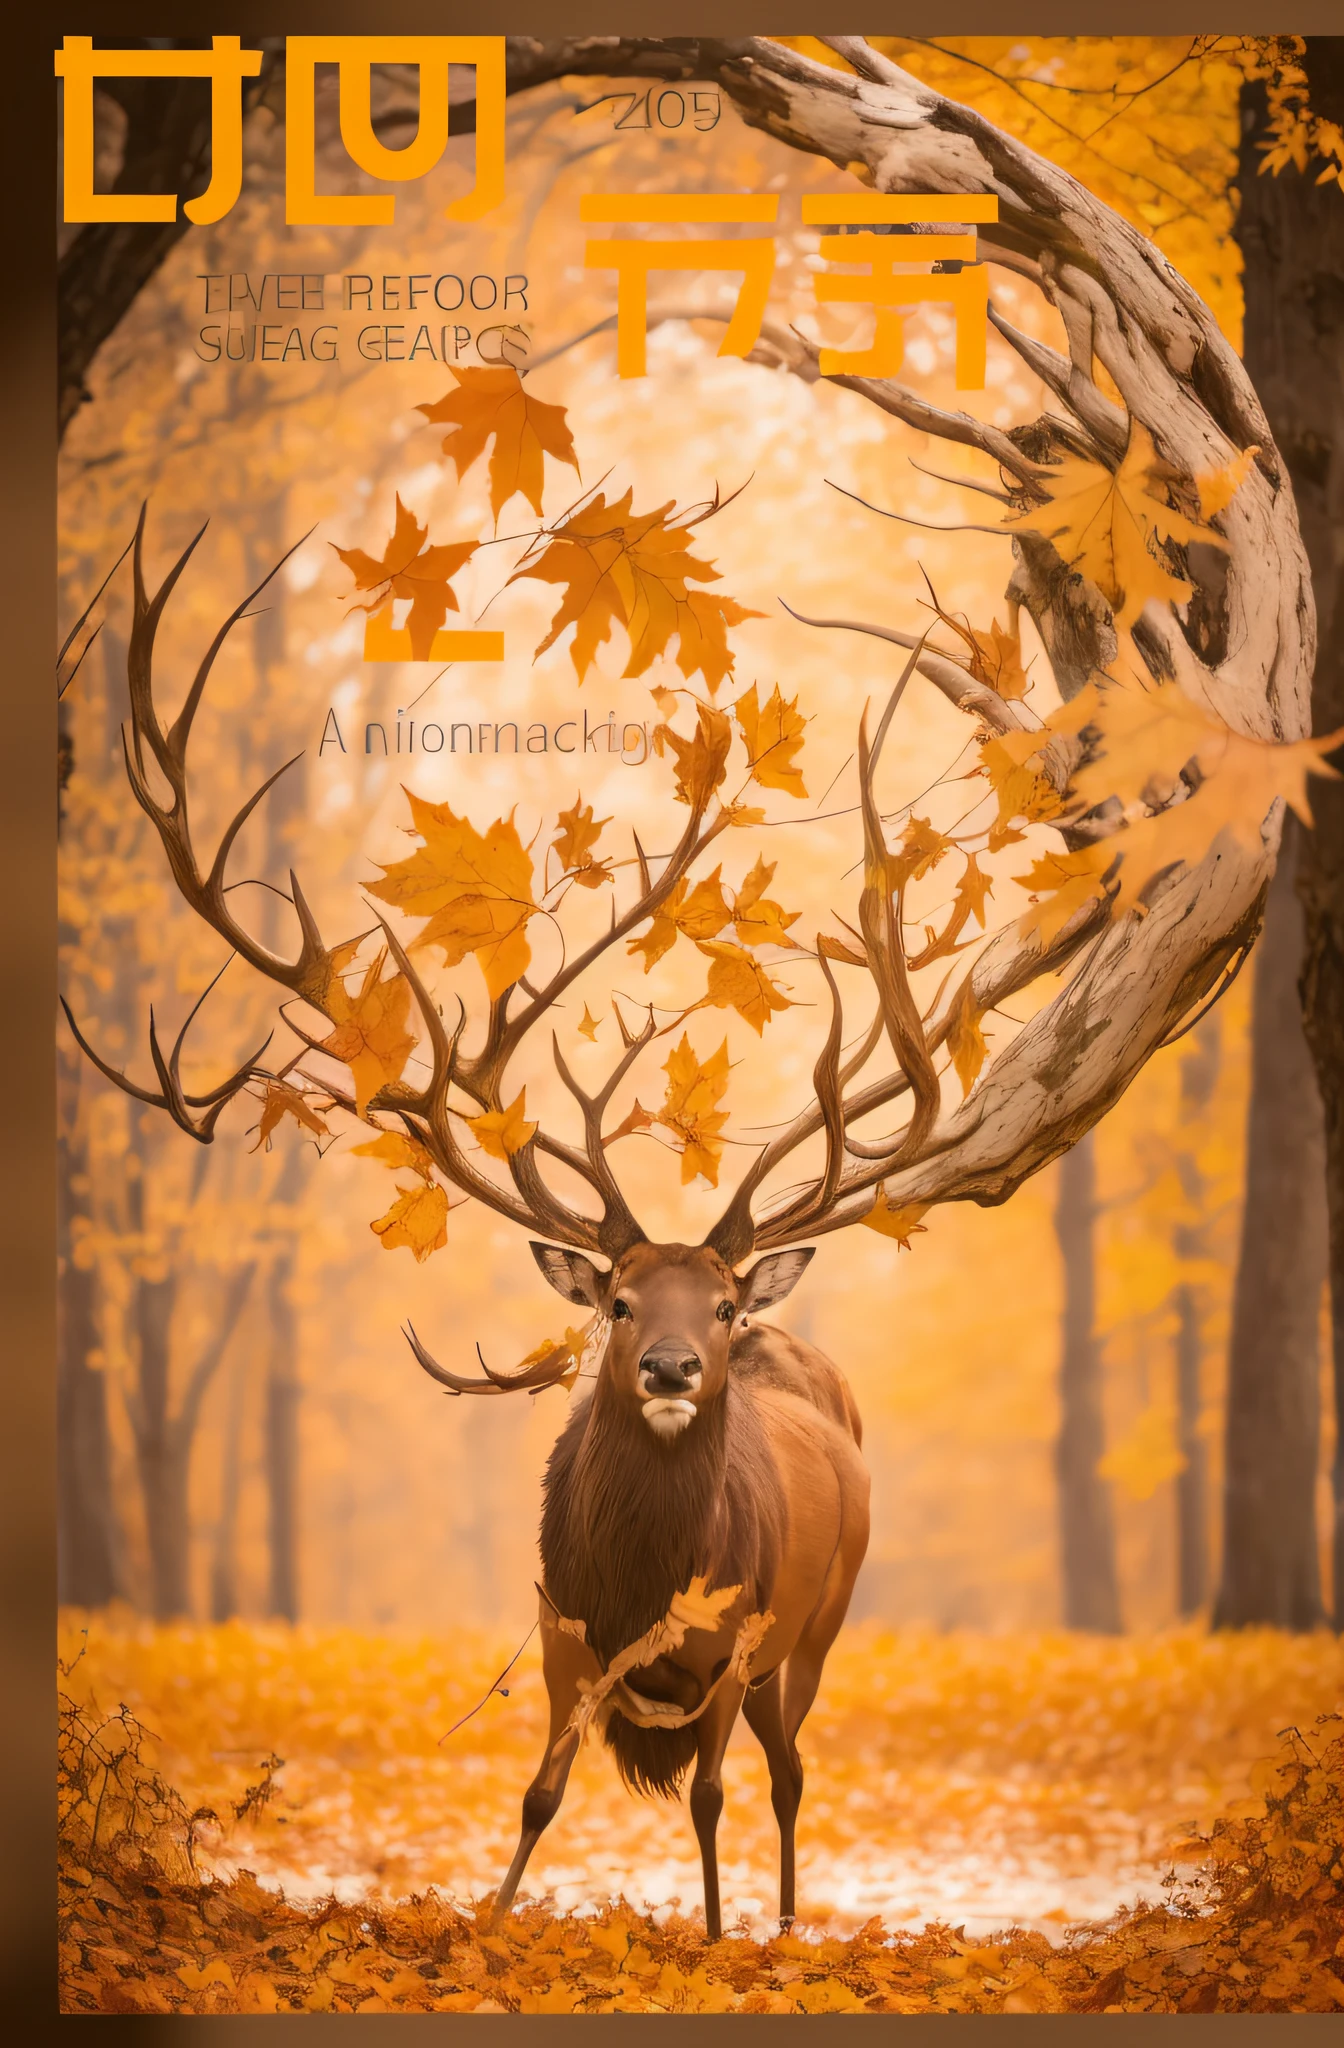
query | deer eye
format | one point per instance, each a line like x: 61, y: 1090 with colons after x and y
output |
x: 724, y: 1311
x: 621, y: 1311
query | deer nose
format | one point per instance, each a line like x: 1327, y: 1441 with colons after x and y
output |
x: 668, y: 1367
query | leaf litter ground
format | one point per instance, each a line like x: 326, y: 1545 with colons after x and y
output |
x: 1018, y: 1823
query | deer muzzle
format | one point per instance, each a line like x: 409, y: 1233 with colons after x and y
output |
x: 669, y: 1374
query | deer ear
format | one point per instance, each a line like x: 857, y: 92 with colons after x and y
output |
x: 772, y: 1278
x: 570, y: 1274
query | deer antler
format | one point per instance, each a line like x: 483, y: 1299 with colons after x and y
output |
x: 430, y: 1113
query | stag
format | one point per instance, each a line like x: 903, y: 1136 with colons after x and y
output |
x: 706, y: 1502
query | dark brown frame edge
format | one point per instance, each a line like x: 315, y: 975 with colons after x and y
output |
x: 28, y: 951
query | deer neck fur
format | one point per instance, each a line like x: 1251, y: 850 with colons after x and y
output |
x: 630, y: 1520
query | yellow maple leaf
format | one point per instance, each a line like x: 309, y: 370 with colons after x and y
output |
x: 1143, y: 739
x: 691, y: 1110
x: 501, y: 1132
x: 493, y: 402
x: 773, y: 734
x: 966, y: 1040
x: 699, y: 913
x: 574, y: 842
x: 398, y: 1150
x: 921, y: 848
x: 993, y: 658
x: 1023, y: 791
x: 410, y: 570
x: 418, y: 1219
x: 972, y: 890
x: 282, y: 1100
x: 590, y: 1025
x: 901, y: 1223
x: 699, y: 1608
x: 370, y: 1035
x: 1106, y: 524
x: 633, y: 569
x: 1218, y: 487
x: 1063, y: 883
x: 739, y: 982
x: 757, y: 920
x: 475, y: 889
x: 702, y: 760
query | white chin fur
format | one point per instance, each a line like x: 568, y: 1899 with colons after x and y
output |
x: 669, y: 1418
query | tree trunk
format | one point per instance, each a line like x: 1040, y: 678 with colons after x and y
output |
x: 86, y: 1548
x: 1086, y: 1526
x: 282, y: 1444
x: 224, y: 1561
x: 1292, y: 237
x: 1192, y: 1485
x: 1271, y: 1570
x: 163, y: 1479
x: 1199, y: 1082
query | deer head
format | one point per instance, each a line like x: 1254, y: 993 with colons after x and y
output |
x: 671, y: 1311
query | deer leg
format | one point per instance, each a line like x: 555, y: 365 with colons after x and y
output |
x: 764, y: 1711
x: 564, y: 1661
x: 715, y: 1726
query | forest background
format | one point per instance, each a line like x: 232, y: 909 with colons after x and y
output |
x: 1045, y: 1387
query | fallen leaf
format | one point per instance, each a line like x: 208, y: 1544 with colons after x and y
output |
x: 502, y: 1132
x: 418, y: 1219
x: 773, y: 736
x: 409, y: 570
x: 590, y: 1025
x: 494, y: 402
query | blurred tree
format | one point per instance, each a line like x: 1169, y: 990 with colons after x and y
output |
x: 1292, y: 236
x: 1271, y: 1570
x: 1199, y: 1083
x: 1090, y: 1583
x: 1291, y: 232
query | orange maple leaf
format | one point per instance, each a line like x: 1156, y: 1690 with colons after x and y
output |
x: 739, y: 982
x: 773, y: 734
x: 702, y: 761
x: 493, y: 401
x: 578, y: 835
x: 282, y: 1100
x: 475, y: 889
x: 411, y: 570
x: 633, y: 570
x: 902, y: 1222
x: 370, y: 1035
x: 502, y: 1132
x: 757, y: 920
x: 418, y: 1219
x: 699, y: 914
x: 691, y: 1110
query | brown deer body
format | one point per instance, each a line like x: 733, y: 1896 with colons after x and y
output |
x: 709, y: 1447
